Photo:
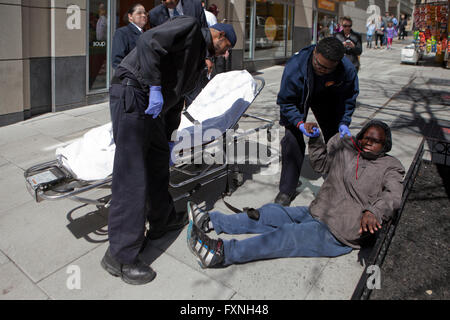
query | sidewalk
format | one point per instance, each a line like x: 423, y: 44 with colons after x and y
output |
x: 39, y: 242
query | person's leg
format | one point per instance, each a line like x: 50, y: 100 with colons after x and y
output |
x: 116, y: 92
x: 161, y: 208
x: 292, y: 155
x: 309, y: 239
x: 271, y: 216
x: 126, y: 221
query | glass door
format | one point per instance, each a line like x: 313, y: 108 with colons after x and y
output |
x: 98, y: 45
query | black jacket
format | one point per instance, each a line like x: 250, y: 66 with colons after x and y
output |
x: 193, y: 8
x: 124, y: 41
x: 171, y: 56
x: 352, y: 53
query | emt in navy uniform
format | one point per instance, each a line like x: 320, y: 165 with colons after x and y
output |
x: 125, y: 38
x: 151, y: 80
x: 319, y: 78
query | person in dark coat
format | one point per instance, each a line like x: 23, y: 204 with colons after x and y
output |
x: 149, y: 82
x: 319, y: 78
x: 351, y: 40
x: 125, y: 38
x: 402, y: 27
x: 170, y: 8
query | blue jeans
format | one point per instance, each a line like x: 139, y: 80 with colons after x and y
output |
x: 283, y: 232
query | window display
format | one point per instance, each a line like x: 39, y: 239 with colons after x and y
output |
x: 268, y: 29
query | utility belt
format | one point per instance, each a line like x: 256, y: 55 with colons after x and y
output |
x: 130, y: 82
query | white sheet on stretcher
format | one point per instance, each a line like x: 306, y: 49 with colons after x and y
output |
x: 219, y: 106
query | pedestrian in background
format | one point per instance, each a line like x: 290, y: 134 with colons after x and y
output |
x: 379, y: 33
x: 211, y: 19
x: 390, y: 34
x: 387, y: 18
x: 370, y: 33
x: 351, y: 40
x: 125, y: 38
x: 402, y: 27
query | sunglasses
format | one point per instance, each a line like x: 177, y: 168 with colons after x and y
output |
x: 347, y: 25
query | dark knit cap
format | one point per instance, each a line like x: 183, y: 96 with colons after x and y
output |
x: 229, y: 31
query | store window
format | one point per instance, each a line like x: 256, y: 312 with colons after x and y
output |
x: 325, y: 20
x: 98, y: 44
x: 268, y: 29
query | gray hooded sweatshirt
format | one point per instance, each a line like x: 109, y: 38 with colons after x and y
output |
x: 356, y: 182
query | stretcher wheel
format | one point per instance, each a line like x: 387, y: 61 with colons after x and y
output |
x: 238, y: 179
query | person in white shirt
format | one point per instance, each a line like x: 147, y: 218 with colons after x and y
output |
x: 210, y: 17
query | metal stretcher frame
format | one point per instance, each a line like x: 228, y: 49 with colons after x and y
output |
x: 72, y: 188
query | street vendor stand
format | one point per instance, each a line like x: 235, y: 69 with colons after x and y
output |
x: 431, y: 29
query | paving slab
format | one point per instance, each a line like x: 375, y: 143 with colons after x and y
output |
x: 60, y: 125
x: 29, y: 151
x: 14, y: 285
x: 174, y: 280
x: 14, y: 192
x: 14, y: 133
x: 37, y: 237
x: 338, y: 278
x: 87, y: 110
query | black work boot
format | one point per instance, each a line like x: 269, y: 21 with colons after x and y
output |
x: 136, y: 273
x: 283, y: 199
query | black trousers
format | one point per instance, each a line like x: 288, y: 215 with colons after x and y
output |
x: 293, y: 148
x: 140, y: 174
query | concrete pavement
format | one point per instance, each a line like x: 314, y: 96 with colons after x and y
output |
x: 41, y: 250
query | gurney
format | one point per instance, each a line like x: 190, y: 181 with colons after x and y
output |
x: 206, y: 132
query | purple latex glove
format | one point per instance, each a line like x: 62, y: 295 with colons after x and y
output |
x: 155, y: 102
x: 343, y: 130
x: 315, y: 134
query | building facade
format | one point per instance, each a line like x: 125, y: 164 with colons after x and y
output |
x: 55, y: 54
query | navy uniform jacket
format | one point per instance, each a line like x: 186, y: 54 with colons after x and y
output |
x: 124, y: 41
x: 171, y: 56
x: 296, y: 89
x: 193, y: 8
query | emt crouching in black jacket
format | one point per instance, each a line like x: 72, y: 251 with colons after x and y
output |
x: 149, y: 83
x: 319, y: 78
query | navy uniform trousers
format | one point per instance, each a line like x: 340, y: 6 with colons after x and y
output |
x: 140, y: 174
x: 293, y: 148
